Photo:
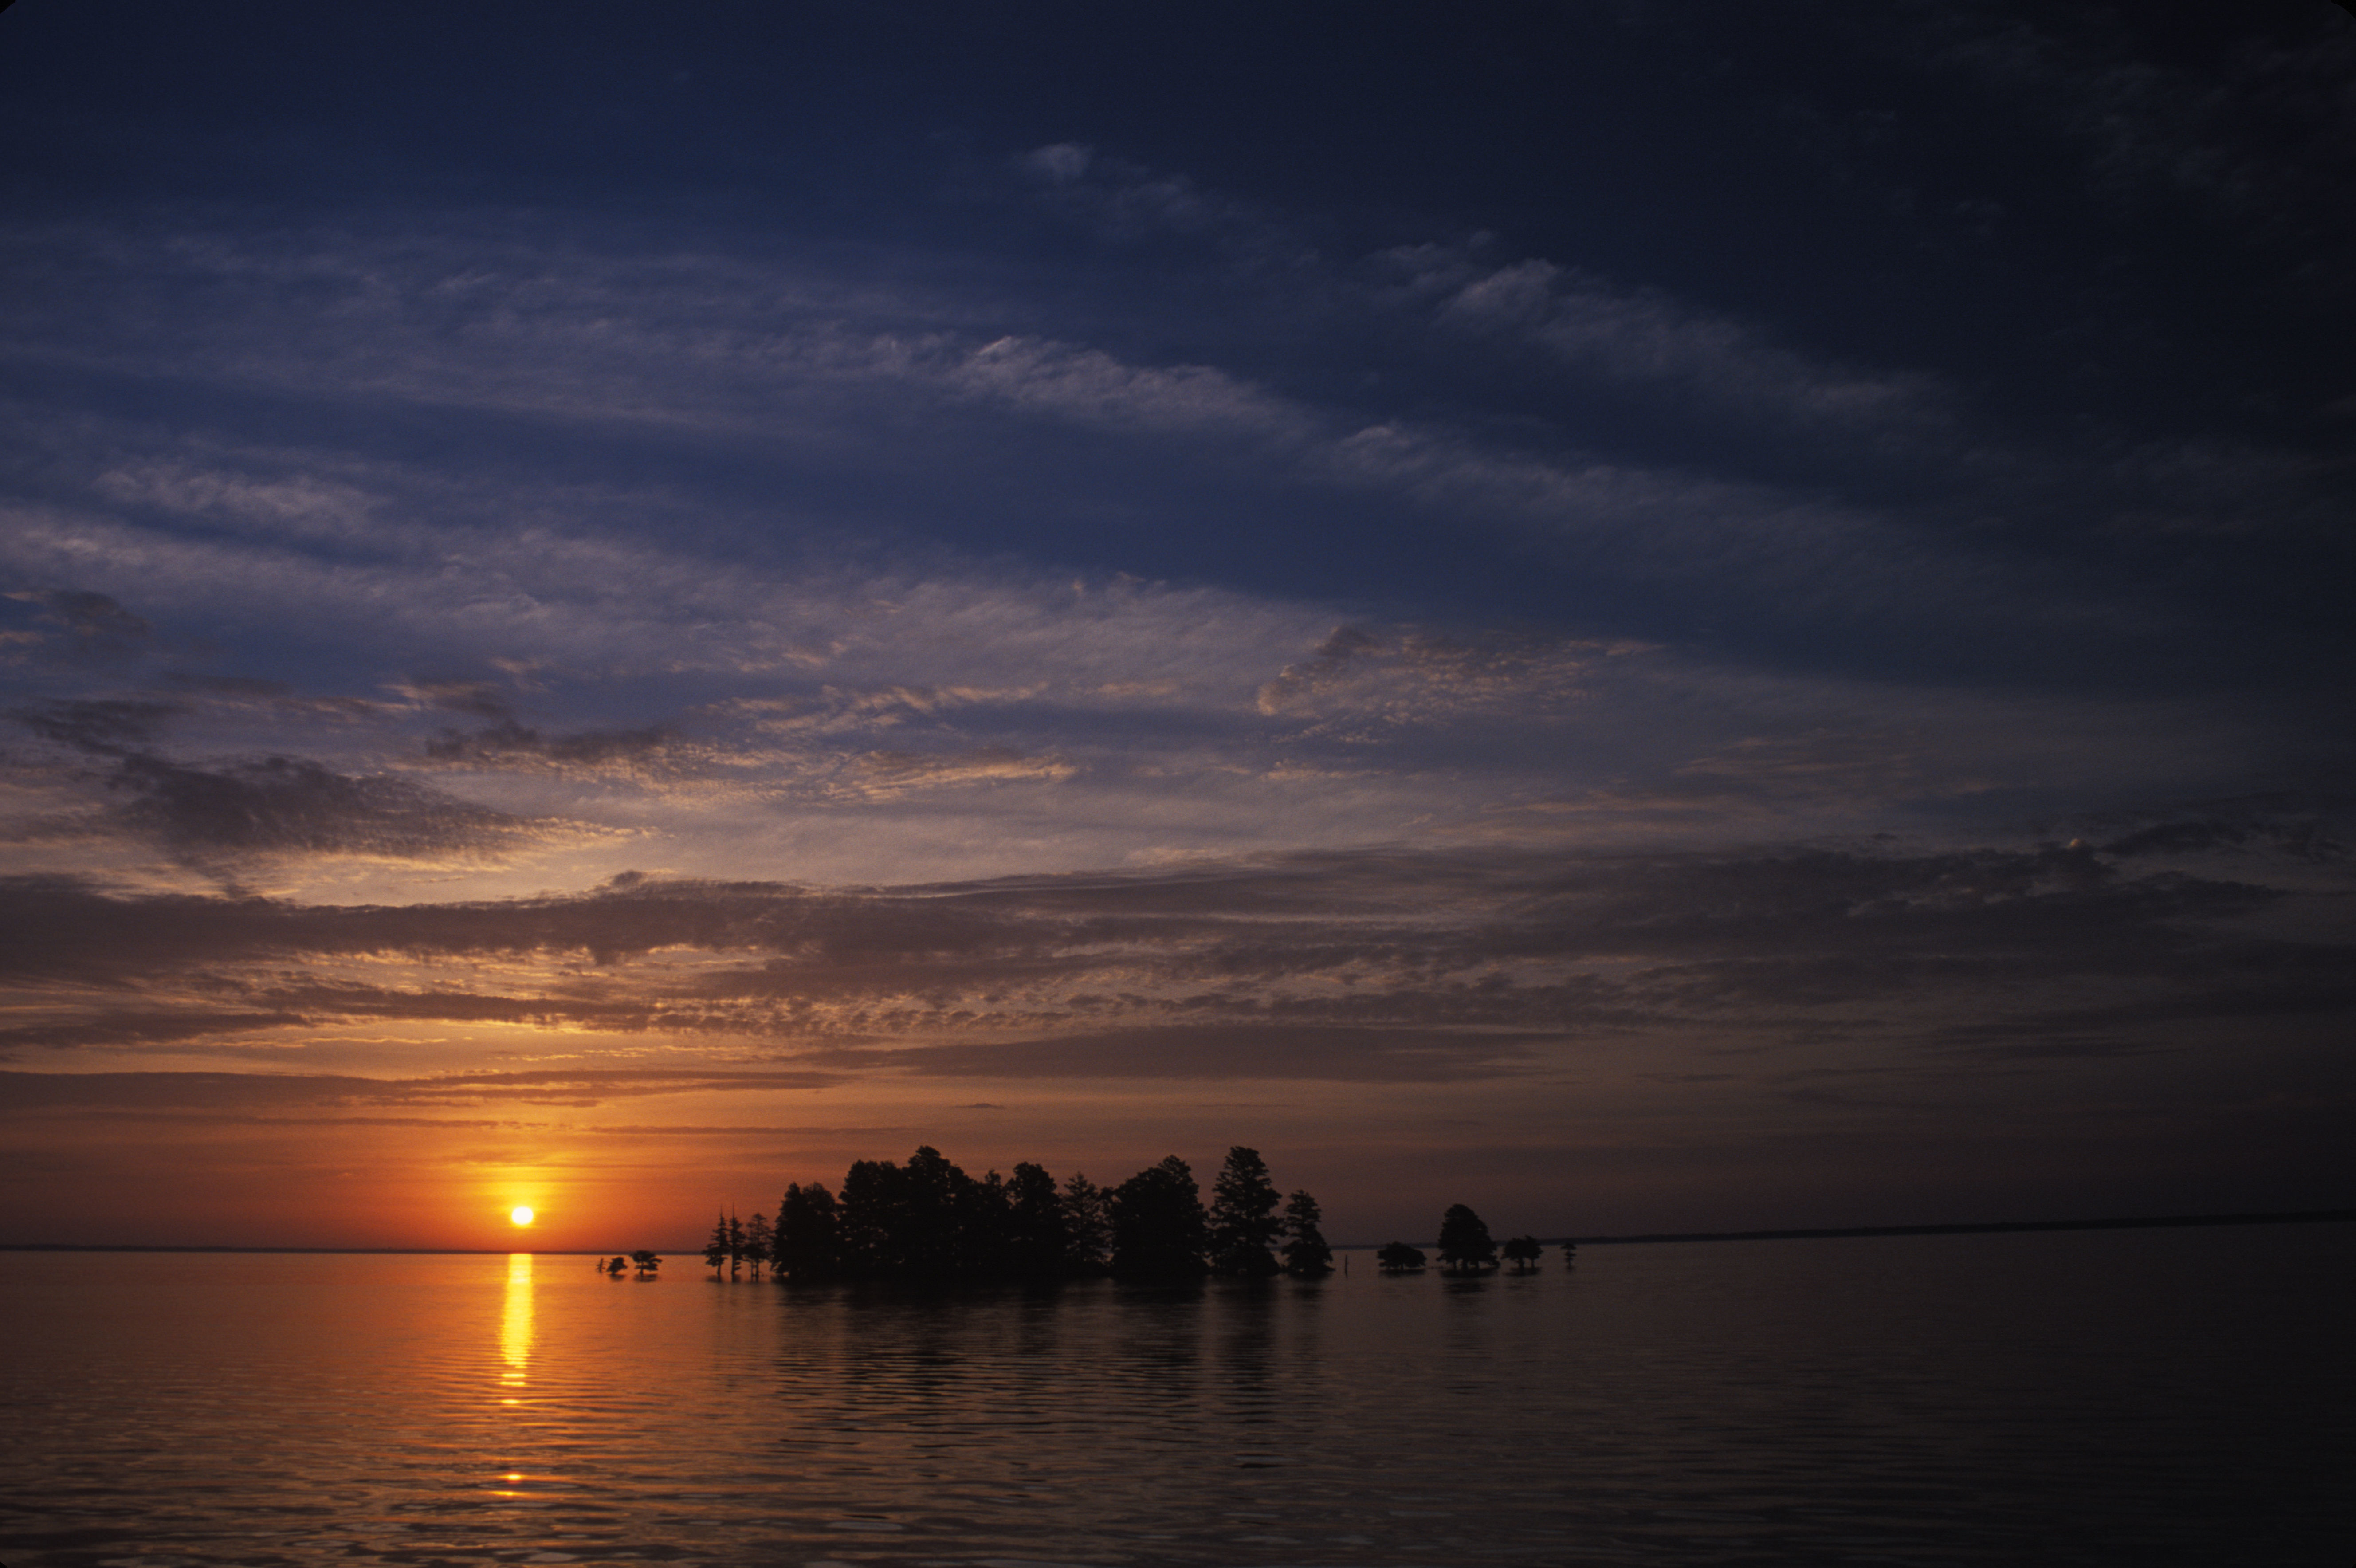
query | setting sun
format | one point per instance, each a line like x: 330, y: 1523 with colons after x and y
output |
x: 521, y: 1216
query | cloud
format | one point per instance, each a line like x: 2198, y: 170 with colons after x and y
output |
x: 91, y: 618
x: 458, y: 695
x: 963, y: 401
x: 232, y: 686
x: 290, y: 806
x: 1775, y: 553
x: 1644, y: 338
x: 1237, y: 1051
x: 1562, y: 670
x: 1058, y: 164
x: 511, y: 744
x: 273, y: 805
x: 892, y: 771
x: 1463, y: 292
x: 1090, y: 386
x: 1173, y: 719
x: 303, y: 506
x: 1128, y: 203
x: 143, y: 1028
x: 101, y: 727
x: 36, y: 1093
x: 1383, y: 967
x: 1420, y: 675
x: 2313, y: 829
x: 1861, y: 764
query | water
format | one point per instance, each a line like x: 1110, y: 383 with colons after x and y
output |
x: 2139, y: 1397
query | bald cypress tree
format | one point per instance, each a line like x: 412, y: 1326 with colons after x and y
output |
x: 1305, y: 1252
x: 1158, y: 1229
x: 758, y: 1243
x: 1087, y: 1219
x: 1038, y: 1232
x: 935, y: 1205
x: 715, y: 1246
x: 867, y: 1220
x: 806, y: 1247
x: 1244, y: 1225
x: 1465, y: 1247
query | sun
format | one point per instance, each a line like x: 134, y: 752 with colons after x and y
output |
x: 521, y: 1216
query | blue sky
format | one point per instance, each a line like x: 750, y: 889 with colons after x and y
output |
x: 1641, y: 615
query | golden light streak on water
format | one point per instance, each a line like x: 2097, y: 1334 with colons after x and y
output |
x: 515, y: 1324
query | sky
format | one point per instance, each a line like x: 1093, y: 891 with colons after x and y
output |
x: 1660, y: 614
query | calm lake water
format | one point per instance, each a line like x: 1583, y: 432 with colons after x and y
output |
x: 2123, y: 1397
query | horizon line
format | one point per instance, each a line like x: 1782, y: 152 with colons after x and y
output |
x: 1993, y: 1226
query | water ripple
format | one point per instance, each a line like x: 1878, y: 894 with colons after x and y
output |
x: 1920, y: 1401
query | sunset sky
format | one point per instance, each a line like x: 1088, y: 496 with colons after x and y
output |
x: 1642, y: 615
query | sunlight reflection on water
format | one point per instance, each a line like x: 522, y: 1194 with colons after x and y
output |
x: 515, y: 1324
x: 1924, y: 1399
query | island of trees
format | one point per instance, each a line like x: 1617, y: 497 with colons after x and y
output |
x: 643, y: 1261
x: 1465, y: 1248
x: 928, y: 1220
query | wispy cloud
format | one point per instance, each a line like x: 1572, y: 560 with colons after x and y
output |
x: 1382, y: 967
x: 1645, y: 339
x: 39, y: 1093
x: 1455, y: 642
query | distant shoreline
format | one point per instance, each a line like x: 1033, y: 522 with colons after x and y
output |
x: 1814, y: 1233
x: 1988, y: 1227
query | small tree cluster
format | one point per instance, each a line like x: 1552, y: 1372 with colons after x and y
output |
x: 643, y: 1261
x: 928, y: 1220
x: 1466, y: 1248
x: 749, y: 1244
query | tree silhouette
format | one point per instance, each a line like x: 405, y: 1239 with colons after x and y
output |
x: 902, y: 1221
x: 867, y: 1216
x: 759, y: 1243
x: 735, y: 1246
x: 1088, y: 1223
x: 1569, y: 1253
x: 1158, y: 1229
x: 1243, y: 1220
x: 1305, y: 1252
x: 1523, y: 1253
x: 1398, y: 1258
x: 1038, y: 1233
x: 1464, y: 1244
x: 805, y: 1246
x: 715, y: 1246
x: 983, y: 1241
x: 615, y: 1267
x: 645, y: 1261
x: 932, y: 1200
